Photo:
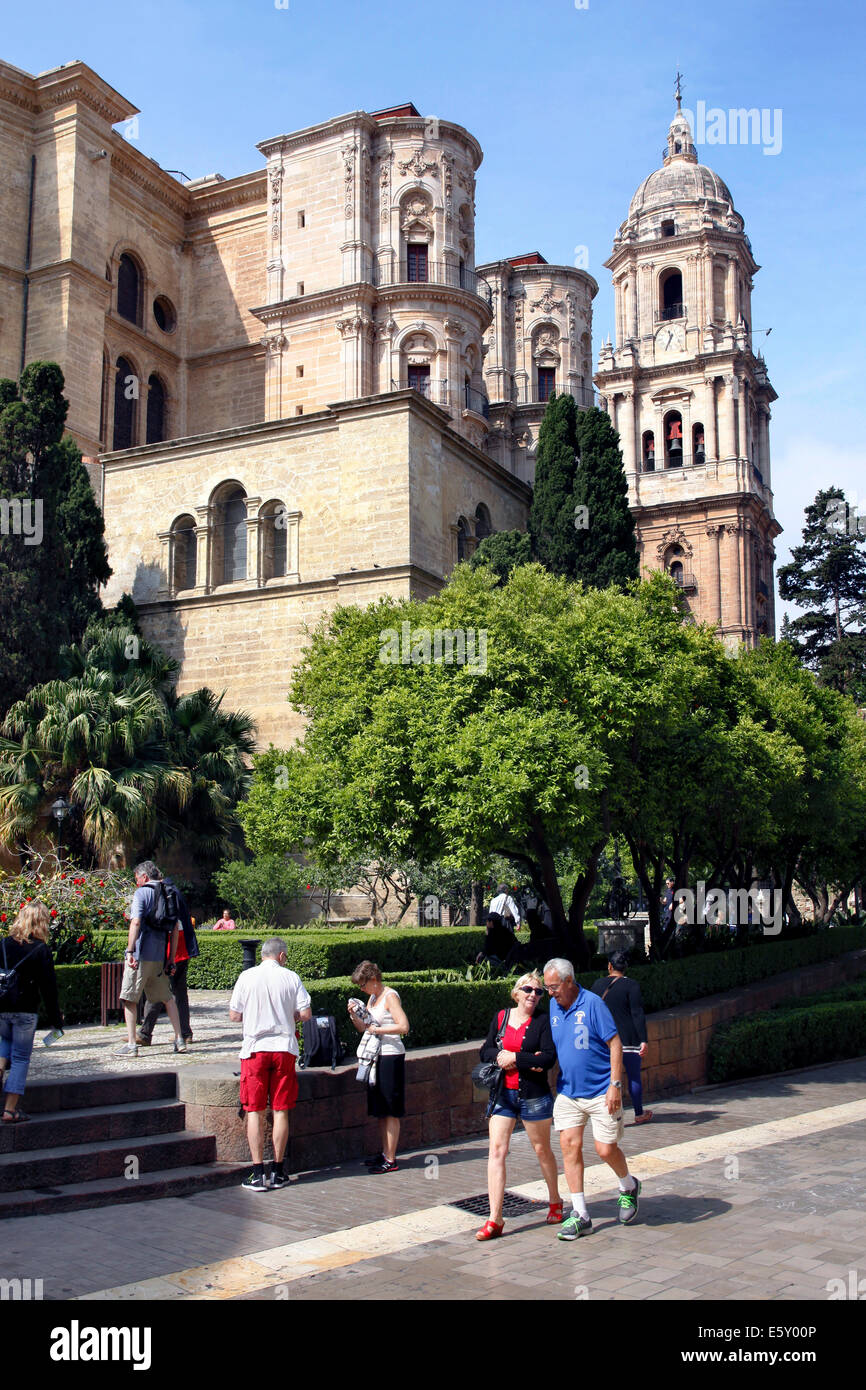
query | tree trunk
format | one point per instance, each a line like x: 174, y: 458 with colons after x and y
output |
x: 476, y: 912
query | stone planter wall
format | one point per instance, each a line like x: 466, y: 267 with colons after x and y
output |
x: 330, y: 1124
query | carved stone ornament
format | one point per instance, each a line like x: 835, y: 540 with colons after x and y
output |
x: 675, y: 536
x: 275, y: 344
x: 547, y: 302
x: 417, y: 164
x: 385, y: 185
x: 348, y: 156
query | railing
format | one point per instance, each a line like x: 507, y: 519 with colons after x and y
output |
x: 582, y: 395
x: 435, y: 391
x: 686, y: 582
x: 434, y: 273
x: 477, y: 401
x: 682, y: 461
x: 670, y: 311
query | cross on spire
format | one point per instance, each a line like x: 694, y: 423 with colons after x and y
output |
x: 679, y: 90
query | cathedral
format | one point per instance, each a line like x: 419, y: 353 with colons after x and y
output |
x: 297, y: 388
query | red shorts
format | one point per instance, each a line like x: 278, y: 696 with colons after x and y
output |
x: 268, y: 1079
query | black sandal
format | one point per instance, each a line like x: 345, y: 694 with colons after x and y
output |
x: 14, y: 1117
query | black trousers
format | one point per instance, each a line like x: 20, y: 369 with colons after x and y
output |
x: 181, y: 997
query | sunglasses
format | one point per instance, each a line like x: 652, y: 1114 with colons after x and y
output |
x: 527, y: 989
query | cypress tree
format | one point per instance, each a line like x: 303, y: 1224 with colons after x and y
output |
x: 551, y: 516
x: 606, y: 550
x: 503, y: 552
x: 52, y: 552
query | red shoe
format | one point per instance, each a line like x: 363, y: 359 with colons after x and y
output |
x: 643, y: 1119
x: 490, y: 1230
x: 554, y: 1213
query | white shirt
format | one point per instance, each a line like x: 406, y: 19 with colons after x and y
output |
x: 502, y: 903
x: 269, y: 996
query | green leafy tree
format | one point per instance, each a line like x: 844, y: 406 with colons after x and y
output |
x: 606, y: 551
x: 262, y: 890
x: 452, y: 765
x: 551, y: 516
x: 52, y: 551
x: 503, y: 552
x: 827, y: 579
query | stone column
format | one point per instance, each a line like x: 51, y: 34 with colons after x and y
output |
x: 204, y: 580
x: 714, y: 606
x: 275, y: 344
x: 730, y: 290
x: 388, y: 365
x: 711, y: 443
x: 166, y: 564
x: 253, y: 521
x: 727, y: 422
x: 742, y: 417
x: 453, y: 338
x: 625, y: 425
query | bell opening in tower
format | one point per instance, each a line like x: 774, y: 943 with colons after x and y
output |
x: 674, y: 440
x: 671, y: 286
x: 649, y: 451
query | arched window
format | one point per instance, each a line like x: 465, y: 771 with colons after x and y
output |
x: 676, y: 572
x: 673, y: 440
x: 126, y: 393
x: 273, y: 533
x: 234, y: 537
x: 184, y: 552
x: 462, y: 533
x: 698, y: 448
x: 155, y: 411
x: 129, y: 290
x: 671, y: 295
x: 649, y: 451
x: 483, y: 526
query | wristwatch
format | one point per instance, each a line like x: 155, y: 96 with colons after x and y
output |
x: 617, y: 1084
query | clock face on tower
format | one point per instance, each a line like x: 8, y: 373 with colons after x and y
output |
x: 670, y: 340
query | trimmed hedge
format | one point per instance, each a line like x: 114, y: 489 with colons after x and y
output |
x: 437, y: 1013
x: 783, y: 1040
x: 78, y: 992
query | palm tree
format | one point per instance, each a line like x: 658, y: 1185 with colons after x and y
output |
x: 137, y: 764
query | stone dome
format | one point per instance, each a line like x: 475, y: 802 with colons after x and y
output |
x: 680, y: 181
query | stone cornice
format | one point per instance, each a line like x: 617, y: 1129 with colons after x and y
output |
x: 145, y: 455
x: 700, y: 237
x: 359, y: 292
x: 72, y: 269
x: 145, y: 174
x: 231, y: 193
x: 409, y: 127
x: 539, y: 272
x: 76, y: 82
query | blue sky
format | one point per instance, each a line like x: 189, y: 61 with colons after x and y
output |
x: 571, y: 107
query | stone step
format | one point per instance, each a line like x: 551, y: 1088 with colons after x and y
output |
x: 85, y: 1092
x: 94, y: 1125
x: 78, y: 1196
x: 76, y: 1163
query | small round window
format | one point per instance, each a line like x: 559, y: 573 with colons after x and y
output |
x: 163, y: 312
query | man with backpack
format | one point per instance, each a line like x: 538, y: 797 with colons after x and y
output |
x: 187, y: 948
x: 150, y: 953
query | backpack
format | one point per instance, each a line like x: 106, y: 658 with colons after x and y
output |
x: 163, y: 914
x: 9, y: 981
x: 322, y: 1046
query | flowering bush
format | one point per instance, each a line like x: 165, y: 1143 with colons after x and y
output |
x: 84, y: 905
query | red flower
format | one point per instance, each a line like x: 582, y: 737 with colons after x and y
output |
x: 2, y: 916
x: 87, y: 962
x: 101, y: 913
x: 54, y: 912
x: 79, y: 941
x: 102, y: 883
x: 62, y: 875
x: 30, y: 900
x: 38, y: 882
x: 20, y: 904
x: 309, y: 885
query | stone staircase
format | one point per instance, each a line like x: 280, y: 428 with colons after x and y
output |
x: 102, y: 1140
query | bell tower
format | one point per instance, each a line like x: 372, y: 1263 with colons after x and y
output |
x: 689, y: 395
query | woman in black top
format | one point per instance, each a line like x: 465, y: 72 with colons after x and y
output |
x: 525, y: 1054
x: 25, y: 948
x: 623, y: 997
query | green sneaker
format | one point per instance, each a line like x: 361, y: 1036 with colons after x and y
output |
x: 628, y: 1204
x: 573, y: 1227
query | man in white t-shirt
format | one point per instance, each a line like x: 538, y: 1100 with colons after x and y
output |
x: 269, y: 1000
x: 506, y: 907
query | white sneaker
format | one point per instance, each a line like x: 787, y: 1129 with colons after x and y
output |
x: 127, y: 1050
x: 179, y: 1046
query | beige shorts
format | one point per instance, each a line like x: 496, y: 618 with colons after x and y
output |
x: 573, y: 1114
x: 148, y: 978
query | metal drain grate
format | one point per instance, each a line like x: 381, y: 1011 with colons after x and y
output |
x: 513, y: 1205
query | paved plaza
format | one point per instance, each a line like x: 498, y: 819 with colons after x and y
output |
x: 754, y: 1191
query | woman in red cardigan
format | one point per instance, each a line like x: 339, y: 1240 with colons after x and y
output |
x: 525, y: 1055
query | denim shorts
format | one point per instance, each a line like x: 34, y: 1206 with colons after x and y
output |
x: 509, y: 1105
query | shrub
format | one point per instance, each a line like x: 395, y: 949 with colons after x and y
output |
x: 782, y: 1040
x: 78, y: 992
x: 262, y: 889
x: 87, y: 907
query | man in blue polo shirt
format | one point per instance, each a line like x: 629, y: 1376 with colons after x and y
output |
x: 589, y: 1088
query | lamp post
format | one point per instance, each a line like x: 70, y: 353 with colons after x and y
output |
x: 60, y: 810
